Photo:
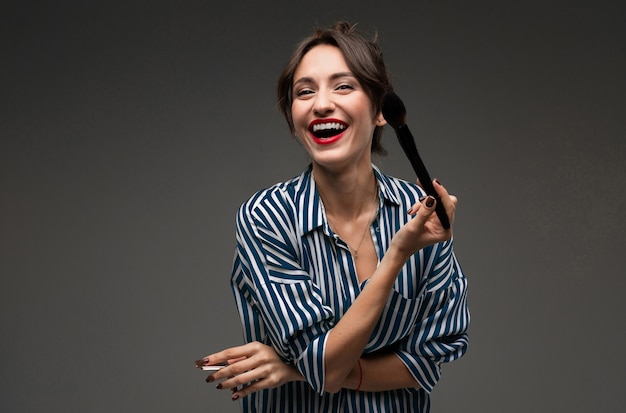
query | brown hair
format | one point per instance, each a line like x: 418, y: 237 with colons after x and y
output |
x: 363, y: 57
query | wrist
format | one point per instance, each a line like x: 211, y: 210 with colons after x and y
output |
x: 294, y: 374
x: 395, y: 258
x: 354, y: 379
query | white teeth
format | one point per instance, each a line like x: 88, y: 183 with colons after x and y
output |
x: 330, y: 125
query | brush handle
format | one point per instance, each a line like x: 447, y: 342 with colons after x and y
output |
x: 407, y: 142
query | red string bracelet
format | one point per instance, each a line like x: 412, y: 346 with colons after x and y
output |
x: 360, y: 375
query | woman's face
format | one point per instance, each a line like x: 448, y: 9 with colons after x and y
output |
x: 333, y: 116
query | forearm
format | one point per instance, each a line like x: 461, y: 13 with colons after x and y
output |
x: 380, y: 373
x: 347, y: 339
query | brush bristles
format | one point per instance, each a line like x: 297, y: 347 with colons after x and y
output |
x: 393, y: 110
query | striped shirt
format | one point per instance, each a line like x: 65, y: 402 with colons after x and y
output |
x: 293, y: 279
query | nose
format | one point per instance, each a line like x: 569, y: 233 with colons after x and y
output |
x: 323, y: 104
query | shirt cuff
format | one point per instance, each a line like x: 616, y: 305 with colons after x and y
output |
x: 426, y: 372
x: 311, y: 364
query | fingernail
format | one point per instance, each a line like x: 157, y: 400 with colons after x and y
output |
x: 210, y: 379
x: 437, y: 180
x: 422, y: 199
x: 430, y: 201
x: 219, y: 386
x: 235, y: 397
x: 408, y: 211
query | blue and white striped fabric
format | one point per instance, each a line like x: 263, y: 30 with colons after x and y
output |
x: 293, y: 279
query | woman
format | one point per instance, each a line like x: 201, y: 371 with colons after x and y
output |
x: 346, y: 283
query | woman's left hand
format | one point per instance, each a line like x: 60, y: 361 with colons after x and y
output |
x: 424, y: 228
x: 255, y: 365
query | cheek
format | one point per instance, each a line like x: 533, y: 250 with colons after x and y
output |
x: 298, y: 116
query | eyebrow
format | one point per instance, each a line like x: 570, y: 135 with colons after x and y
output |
x: 334, y: 76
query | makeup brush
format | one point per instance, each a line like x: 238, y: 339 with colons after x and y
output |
x: 394, y: 113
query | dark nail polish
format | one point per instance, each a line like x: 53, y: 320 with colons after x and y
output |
x: 219, y: 386
x: 437, y: 180
x: 201, y: 362
x: 422, y: 199
x: 235, y: 397
x: 209, y: 379
x: 430, y: 201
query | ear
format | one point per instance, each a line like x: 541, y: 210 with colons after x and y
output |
x: 380, y: 120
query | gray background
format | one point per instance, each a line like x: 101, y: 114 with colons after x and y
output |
x: 131, y: 131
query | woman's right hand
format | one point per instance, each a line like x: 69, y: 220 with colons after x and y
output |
x: 255, y: 365
x: 425, y: 228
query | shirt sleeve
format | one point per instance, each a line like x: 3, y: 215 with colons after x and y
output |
x: 440, y: 333
x: 277, y: 301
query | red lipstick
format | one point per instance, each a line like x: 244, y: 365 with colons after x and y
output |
x: 327, y: 131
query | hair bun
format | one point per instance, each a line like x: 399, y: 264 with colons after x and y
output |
x: 344, y: 27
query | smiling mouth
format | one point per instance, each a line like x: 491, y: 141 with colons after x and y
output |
x: 327, y: 130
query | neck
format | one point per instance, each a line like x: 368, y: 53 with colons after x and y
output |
x: 346, y: 195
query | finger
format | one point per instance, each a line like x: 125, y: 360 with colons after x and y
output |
x: 242, y: 379
x: 237, y: 368
x: 264, y: 381
x: 222, y: 357
x: 202, y: 361
x: 232, y: 353
x: 233, y: 389
x: 449, y: 201
x: 211, y: 378
x: 422, y: 213
x: 415, y: 207
x: 441, y: 190
x: 254, y: 387
x: 454, y: 200
x: 233, y: 361
x: 426, y: 209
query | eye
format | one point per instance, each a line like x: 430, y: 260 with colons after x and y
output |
x: 303, y: 93
x: 344, y: 87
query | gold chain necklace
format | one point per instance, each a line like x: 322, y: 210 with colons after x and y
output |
x: 368, y: 224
